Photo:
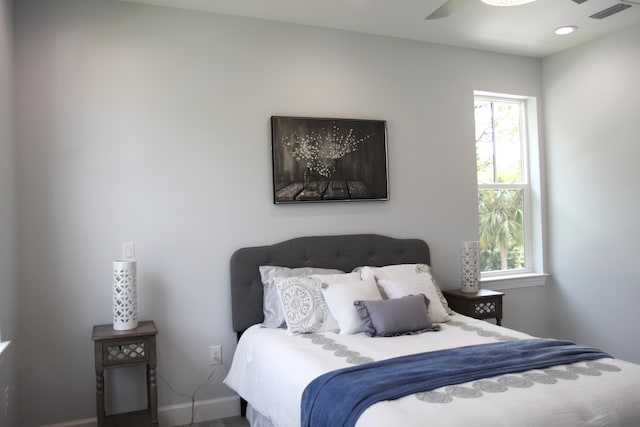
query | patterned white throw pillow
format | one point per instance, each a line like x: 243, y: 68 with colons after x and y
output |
x: 304, y: 307
x: 272, y: 308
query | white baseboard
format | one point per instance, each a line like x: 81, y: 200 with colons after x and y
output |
x: 86, y: 422
x: 204, y: 410
x: 178, y: 415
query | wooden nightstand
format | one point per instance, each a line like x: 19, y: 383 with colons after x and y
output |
x: 484, y: 304
x: 125, y: 348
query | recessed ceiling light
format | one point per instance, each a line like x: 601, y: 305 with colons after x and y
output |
x: 507, y: 2
x: 563, y: 31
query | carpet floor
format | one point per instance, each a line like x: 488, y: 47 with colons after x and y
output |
x: 224, y: 422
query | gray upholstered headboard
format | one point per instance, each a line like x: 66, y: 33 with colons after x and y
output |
x: 344, y: 252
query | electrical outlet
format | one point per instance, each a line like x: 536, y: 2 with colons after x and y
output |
x: 215, y: 354
x: 129, y: 251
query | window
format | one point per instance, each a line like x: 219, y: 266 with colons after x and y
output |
x: 505, y: 205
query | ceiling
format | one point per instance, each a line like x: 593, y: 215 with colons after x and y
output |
x: 523, y: 30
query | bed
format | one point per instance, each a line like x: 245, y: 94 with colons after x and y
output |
x: 309, y: 377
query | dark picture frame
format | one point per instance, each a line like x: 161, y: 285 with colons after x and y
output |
x: 328, y: 160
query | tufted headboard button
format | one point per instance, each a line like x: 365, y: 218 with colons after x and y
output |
x: 339, y: 255
x: 268, y: 261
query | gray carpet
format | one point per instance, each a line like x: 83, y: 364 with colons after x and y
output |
x: 224, y: 422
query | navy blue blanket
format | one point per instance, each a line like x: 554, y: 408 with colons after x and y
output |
x: 339, y: 397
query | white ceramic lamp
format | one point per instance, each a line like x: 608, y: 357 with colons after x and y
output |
x: 125, y: 295
x: 470, y: 267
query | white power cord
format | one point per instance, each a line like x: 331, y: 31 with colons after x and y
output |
x: 192, y: 396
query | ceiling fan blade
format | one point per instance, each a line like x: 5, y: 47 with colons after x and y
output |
x: 446, y: 9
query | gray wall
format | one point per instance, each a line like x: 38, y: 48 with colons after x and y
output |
x: 151, y: 125
x: 591, y: 108
x: 8, y: 223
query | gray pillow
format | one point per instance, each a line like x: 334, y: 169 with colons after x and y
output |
x: 399, y: 316
x: 271, y: 306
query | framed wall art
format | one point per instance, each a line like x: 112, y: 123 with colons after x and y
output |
x: 322, y: 160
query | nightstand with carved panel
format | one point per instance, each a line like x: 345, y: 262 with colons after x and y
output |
x: 484, y: 304
x: 126, y: 348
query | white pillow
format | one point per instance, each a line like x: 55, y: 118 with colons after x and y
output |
x: 403, y: 271
x: 340, y: 298
x: 271, y: 306
x: 304, y: 307
x: 336, y: 278
x: 418, y: 284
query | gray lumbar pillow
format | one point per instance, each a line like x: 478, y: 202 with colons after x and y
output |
x: 399, y: 316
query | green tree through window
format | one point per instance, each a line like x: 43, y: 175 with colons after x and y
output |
x: 502, y: 182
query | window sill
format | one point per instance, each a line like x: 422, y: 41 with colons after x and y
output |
x: 518, y: 281
x: 3, y: 348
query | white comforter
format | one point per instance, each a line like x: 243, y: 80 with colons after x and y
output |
x: 271, y: 369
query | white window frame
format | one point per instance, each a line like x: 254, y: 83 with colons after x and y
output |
x: 532, y: 274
